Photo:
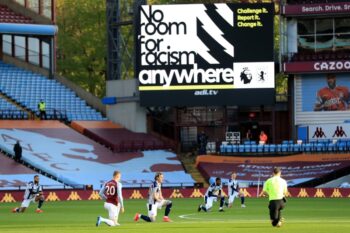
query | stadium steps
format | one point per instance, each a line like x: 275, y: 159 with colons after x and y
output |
x: 19, y: 107
x: 189, y: 163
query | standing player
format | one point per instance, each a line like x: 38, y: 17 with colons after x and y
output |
x: 213, y: 193
x: 276, y: 189
x: 33, y: 193
x: 156, y: 201
x: 234, y: 191
x: 111, y: 192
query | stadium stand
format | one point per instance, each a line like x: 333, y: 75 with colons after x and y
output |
x: 287, y: 147
x: 10, y: 111
x: 56, y: 149
x: 8, y: 16
x: 15, y: 175
x: 118, y: 138
x: 27, y: 89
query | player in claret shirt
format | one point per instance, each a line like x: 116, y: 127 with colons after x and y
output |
x: 111, y: 192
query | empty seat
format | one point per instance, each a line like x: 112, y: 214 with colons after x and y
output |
x: 27, y: 88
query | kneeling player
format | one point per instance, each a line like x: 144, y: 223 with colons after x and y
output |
x: 155, y: 202
x: 111, y: 192
x: 213, y: 193
x: 33, y: 193
x: 234, y: 191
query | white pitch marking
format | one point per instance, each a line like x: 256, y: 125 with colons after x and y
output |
x: 188, y: 216
x: 185, y: 216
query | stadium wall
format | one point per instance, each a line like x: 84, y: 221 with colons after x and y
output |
x: 127, y: 113
x: 75, y: 195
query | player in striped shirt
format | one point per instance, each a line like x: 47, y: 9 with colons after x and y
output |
x: 234, y: 191
x: 156, y: 201
x: 33, y: 193
x: 111, y: 192
x: 213, y: 193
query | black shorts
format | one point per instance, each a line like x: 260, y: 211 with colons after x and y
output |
x: 275, y: 206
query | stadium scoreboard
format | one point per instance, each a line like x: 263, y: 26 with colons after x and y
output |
x: 205, y: 54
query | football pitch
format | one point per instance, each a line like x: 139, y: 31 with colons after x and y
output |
x: 301, y: 215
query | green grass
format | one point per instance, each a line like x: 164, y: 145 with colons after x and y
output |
x: 302, y: 215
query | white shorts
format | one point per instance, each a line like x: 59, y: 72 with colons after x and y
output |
x: 232, y: 197
x: 209, y: 201
x: 26, y: 202
x: 152, y: 208
x: 113, y: 211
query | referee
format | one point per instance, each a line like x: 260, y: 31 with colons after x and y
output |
x: 276, y: 189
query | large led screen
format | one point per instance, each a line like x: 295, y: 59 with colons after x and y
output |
x: 205, y: 54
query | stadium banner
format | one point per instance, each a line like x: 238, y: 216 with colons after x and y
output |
x: 329, y: 131
x: 322, y: 98
x: 325, y: 92
x: 316, y: 66
x: 207, y: 55
x: 317, y: 8
x: 78, y: 195
x: 13, y: 181
x: 71, y: 157
x: 296, y: 169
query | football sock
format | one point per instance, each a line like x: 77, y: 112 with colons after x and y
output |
x: 107, y: 221
x: 167, y: 209
x: 40, y: 203
x: 146, y: 218
x: 222, y: 200
x: 242, y: 200
x: 204, y: 208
